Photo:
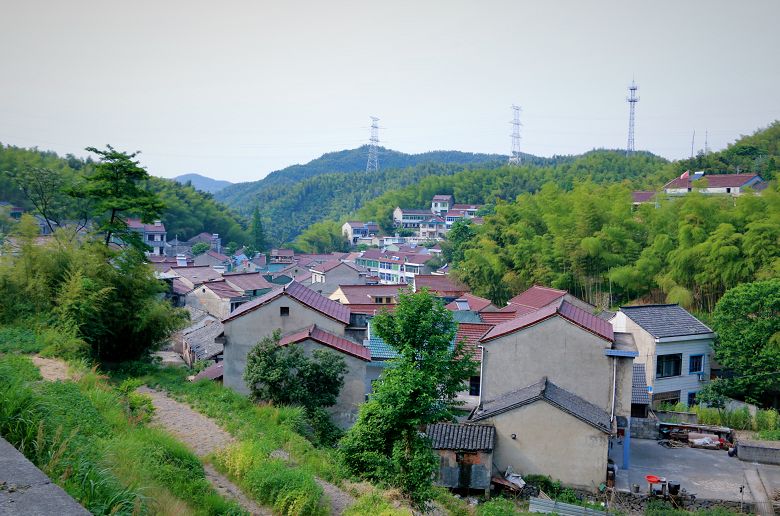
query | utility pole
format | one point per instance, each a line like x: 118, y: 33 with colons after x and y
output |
x: 632, y: 99
x: 706, y: 142
x: 373, y: 147
x: 693, y: 142
x: 515, y: 158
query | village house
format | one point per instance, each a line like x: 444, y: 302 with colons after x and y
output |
x: 642, y: 197
x: 326, y: 277
x: 216, y: 297
x: 304, y: 318
x: 286, y: 256
x: 440, y: 286
x: 537, y: 297
x: 465, y: 454
x: 441, y: 204
x: 394, y: 267
x: 354, y: 231
x: 152, y: 234
x: 409, y: 219
x: 470, y: 302
x: 674, y: 346
x: 215, y: 260
x: 192, y: 276
x: 432, y: 228
x: 554, y: 383
x: 367, y: 294
x: 730, y: 184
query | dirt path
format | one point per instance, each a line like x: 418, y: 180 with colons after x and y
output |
x: 204, y: 436
x: 51, y: 369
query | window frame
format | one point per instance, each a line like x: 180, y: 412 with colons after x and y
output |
x: 662, y: 358
x: 284, y: 311
x: 701, y: 365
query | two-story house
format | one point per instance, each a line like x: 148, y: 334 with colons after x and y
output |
x: 555, y: 383
x: 354, y: 231
x: 153, y: 234
x: 285, y: 256
x: 441, y: 204
x: 394, y: 267
x: 409, y: 219
x: 729, y: 184
x: 675, y: 347
x: 307, y: 319
x: 326, y: 277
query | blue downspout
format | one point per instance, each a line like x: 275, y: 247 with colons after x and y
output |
x: 627, y: 445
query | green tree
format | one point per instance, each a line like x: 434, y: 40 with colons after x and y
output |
x: 257, y: 232
x: 117, y: 188
x: 284, y: 375
x: 747, y: 320
x: 418, y: 388
x: 200, y: 248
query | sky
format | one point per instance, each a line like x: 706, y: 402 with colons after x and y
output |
x: 236, y: 89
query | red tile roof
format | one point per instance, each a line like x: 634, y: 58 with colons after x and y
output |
x: 212, y: 372
x: 222, y: 289
x: 439, y: 284
x: 282, y: 252
x: 328, y: 339
x: 248, y: 281
x: 537, y: 296
x: 713, y: 181
x: 303, y: 295
x: 642, y: 196
x: 150, y: 228
x: 326, y: 266
x: 197, y: 274
x: 441, y: 197
x: 471, y: 334
x: 466, y: 206
x: 365, y: 294
x: 517, y: 310
x: 475, y: 303
x: 179, y: 287
x: 416, y: 212
x: 497, y: 317
x: 219, y: 256
x: 578, y: 316
x: 201, y: 237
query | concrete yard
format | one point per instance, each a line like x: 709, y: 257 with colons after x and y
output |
x: 709, y: 474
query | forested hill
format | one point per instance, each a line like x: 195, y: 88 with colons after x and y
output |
x: 187, y: 210
x: 202, y: 183
x: 242, y: 195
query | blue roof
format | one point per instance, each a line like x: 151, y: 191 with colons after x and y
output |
x: 379, y: 349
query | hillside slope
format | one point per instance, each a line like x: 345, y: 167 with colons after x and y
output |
x: 202, y: 183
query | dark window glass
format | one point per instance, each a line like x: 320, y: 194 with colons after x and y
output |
x: 474, y: 386
x: 696, y: 363
x: 669, y: 365
x: 284, y: 311
x: 691, y: 399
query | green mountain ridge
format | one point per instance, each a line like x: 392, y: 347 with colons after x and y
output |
x: 202, y: 183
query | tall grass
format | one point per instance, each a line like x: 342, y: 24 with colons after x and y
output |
x: 82, y: 434
x: 739, y: 419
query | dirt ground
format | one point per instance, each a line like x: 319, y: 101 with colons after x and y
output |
x: 204, y: 436
x: 51, y: 369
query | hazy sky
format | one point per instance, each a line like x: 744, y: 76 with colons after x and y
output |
x: 236, y: 89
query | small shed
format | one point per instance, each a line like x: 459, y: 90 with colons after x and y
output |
x: 465, y: 454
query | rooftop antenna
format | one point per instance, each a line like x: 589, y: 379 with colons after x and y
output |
x: 632, y: 99
x: 693, y: 141
x: 373, y: 147
x: 515, y: 158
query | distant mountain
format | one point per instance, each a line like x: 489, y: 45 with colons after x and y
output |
x: 203, y: 183
x: 243, y: 196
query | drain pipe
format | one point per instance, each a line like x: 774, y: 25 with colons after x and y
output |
x: 481, y: 370
x: 614, y: 388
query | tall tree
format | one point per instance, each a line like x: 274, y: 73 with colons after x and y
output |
x: 117, y: 187
x: 747, y: 320
x: 257, y: 232
x: 418, y: 388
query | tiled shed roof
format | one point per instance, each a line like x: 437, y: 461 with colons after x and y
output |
x: 327, y: 339
x: 212, y: 372
x: 222, y: 289
x: 304, y: 295
x: 248, y: 281
x: 475, y: 303
x: 379, y: 349
x: 537, y: 296
x: 202, y: 343
x: 438, y: 284
x: 639, y: 394
x: 642, y: 196
x: 149, y: 228
x: 460, y: 436
x: 544, y: 390
x: 497, y: 317
x: 665, y: 320
x: 470, y: 334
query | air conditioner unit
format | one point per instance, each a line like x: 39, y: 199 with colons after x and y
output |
x: 702, y: 377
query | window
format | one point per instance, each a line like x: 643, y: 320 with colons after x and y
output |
x: 671, y: 398
x: 474, y: 386
x: 691, y: 399
x: 284, y: 311
x: 669, y: 365
x: 728, y: 190
x: 696, y: 364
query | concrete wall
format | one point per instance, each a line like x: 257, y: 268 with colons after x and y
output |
x: 644, y: 428
x: 550, y: 442
x: 340, y: 275
x: 479, y: 463
x: 569, y: 356
x: 243, y: 333
x: 344, y: 412
x: 752, y: 451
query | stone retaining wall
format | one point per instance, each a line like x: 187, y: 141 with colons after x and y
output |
x: 637, y: 504
x: 644, y: 428
x: 753, y: 451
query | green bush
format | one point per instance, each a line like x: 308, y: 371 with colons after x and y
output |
x: 769, y: 435
x: 767, y: 420
x: 498, y: 507
x: 19, y: 339
x: 374, y: 504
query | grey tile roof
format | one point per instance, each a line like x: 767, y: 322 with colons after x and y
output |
x: 379, y: 349
x: 202, y: 343
x: 665, y: 320
x: 639, y: 394
x: 460, y: 436
x: 544, y: 390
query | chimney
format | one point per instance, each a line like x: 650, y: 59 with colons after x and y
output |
x: 158, y: 223
x: 216, y: 242
x: 181, y: 260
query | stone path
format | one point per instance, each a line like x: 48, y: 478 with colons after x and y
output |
x: 763, y: 504
x: 51, y: 369
x: 204, y: 436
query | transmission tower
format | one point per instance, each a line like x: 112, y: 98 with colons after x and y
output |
x: 632, y: 99
x: 373, y: 147
x: 515, y: 158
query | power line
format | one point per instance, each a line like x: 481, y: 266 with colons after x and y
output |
x: 632, y: 99
x: 373, y: 143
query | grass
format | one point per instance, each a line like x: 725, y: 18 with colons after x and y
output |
x: 84, y: 436
x: 373, y: 503
x: 769, y: 435
x: 20, y: 340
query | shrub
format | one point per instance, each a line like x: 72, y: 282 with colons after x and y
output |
x: 19, y: 339
x: 373, y: 503
x: 767, y: 420
x: 769, y: 435
x: 497, y: 507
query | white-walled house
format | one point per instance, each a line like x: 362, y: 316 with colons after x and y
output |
x: 675, y: 347
x: 729, y: 184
